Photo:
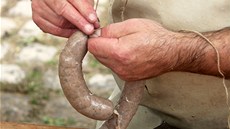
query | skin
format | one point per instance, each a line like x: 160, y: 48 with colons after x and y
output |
x: 127, y: 106
x: 153, y: 50
x: 168, y: 51
x: 64, y: 17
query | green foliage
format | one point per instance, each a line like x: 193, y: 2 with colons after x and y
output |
x: 34, y: 87
x: 58, y: 121
x: 52, y: 63
x: 94, y: 63
x: 29, y: 40
x: 34, y: 80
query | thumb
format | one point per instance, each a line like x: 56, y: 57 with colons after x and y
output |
x: 102, y: 47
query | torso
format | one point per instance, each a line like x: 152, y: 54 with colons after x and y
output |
x: 180, y: 97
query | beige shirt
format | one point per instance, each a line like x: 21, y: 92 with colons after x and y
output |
x: 199, y: 15
x: 182, y: 99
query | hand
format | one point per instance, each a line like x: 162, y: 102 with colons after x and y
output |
x: 135, y: 49
x: 63, y: 17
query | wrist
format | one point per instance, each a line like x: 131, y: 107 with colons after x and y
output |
x: 191, y: 49
x: 172, y: 47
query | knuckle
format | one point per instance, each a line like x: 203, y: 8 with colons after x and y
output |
x: 55, y: 31
x: 58, y: 31
x: 107, y: 31
x: 34, y: 18
x: 123, y: 78
x: 44, y: 30
x: 38, y: 22
x: 127, y: 77
x: 120, y: 71
x: 61, y: 8
x: 61, y: 21
x: 122, y: 56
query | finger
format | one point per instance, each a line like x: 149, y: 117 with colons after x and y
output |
x: 119, y: 29
x: 102, y: 47
x: 108, y: 63
x: 65, y: 9
x: 96, y: 25
x: 48, y: 27
x: 50, y: 15
x: 116, y: 67
x: 86, y: 9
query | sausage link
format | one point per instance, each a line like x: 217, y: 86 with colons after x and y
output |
x: 127, y: 106
x: 73, y: 84
x: 80, y: 97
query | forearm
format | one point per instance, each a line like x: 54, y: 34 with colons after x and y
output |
x: 153, y: 50
x: 196, y: 55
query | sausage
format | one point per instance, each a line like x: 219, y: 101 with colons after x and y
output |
x: 73, y: 84
x: 80, y: 97
x: 127, y: 106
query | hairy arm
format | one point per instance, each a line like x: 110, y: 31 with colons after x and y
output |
x: 198, y: 56
x: 146, y: 49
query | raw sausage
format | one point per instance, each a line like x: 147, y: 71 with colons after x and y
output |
x: 79, y: 96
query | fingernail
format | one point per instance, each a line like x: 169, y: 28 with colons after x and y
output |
x: 92, y: 17
x: 89, y: 28
x: 96, y: 34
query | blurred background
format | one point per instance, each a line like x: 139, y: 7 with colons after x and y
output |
x: 30, y: 88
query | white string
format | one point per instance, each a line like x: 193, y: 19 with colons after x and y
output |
x: 219, y: 70
x: 96, y: 5
x: 123, y: 10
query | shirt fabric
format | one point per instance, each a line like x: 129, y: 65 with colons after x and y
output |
x: 184, y: 100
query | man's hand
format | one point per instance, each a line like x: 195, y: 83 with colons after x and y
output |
x: 139, y: 49
x: 135, y: 49
x: 63, y: 17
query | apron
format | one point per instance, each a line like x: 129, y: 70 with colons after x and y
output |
x: 184, y: 100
